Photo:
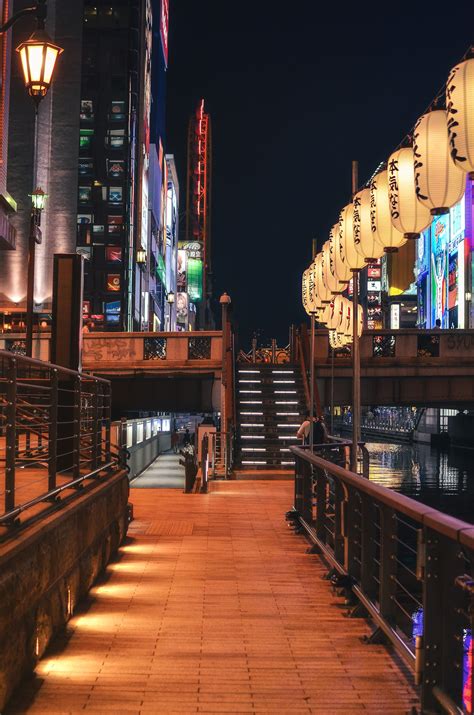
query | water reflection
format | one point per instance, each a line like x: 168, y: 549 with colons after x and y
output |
x: 442, y: 479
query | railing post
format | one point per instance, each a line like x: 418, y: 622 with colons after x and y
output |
x: 339, y: 514
x: 11, y: 436
x: 367, y: 546
x: 107, y: 412
x: 321, y: 503
x: 352, y: 521
x: 442, y: 621
x: 76, y: 441
x: 307, y: 493
x: 388, y: 566
x: 53, y: 430
x: 96, y: 436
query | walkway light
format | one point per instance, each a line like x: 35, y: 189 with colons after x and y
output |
x: 380, y: 221
x: 439, y: 182
x: 408, y: 215
x: 141, y: 256
x: 365, y: 243
x: 353, y: 259
x: 170, y: 298
x: 38, y: 59
x: 460, y: 114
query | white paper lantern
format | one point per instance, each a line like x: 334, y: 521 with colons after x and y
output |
x: 341, y: 269
x: 460, y: 114
x: 381, y: 224
x: 322, y: 289
x: 408, y: 215
x: 325, y: 313
x: 336, y: 315
x: 439, y: 182
x: 364, y: 239
x: 352, y: 258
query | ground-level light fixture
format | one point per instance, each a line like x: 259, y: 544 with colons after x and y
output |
x: 170, y: 297
x: 141, y: 256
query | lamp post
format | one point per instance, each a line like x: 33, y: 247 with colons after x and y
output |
x: 355, y: 346
x: 170, y: 301
x: 141, y: 260
x: 38, y: 57
x: 225, y: 301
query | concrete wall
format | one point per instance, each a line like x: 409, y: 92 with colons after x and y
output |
x: 48, y: 568
x: 58, y: 132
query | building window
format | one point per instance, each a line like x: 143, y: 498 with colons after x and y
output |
x: 113, y: 282
x: 117, y: 111
x: 115, y: 138
x: 87, y: 110
x: 113, y: 253
x: 85, y: 194
x: 115, y: 168
x: 115, y: 194
x: 85, y: 138
x: 115, y: 224
x: 86, y: 166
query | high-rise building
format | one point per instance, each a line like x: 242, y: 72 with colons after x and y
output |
x: 102, y: 167
x: 195, y: 278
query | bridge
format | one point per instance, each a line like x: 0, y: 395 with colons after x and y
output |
x: 203, y: 602
x: 403, y: 367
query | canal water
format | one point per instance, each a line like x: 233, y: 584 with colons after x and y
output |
x: 441, y: 479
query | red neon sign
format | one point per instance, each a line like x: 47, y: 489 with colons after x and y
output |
x: 164, y: 27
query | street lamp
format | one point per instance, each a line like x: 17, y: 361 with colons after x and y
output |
x: 38, y: 57
x: 170, y: 301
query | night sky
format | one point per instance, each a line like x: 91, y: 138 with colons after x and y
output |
x: 295, y: 93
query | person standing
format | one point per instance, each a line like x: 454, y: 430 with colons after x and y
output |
x: 319, y: 430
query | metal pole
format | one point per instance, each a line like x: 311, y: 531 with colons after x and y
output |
x: 30, y: 289
x: 355, y: 346
x: 311, y: 386
x: 332, y: 390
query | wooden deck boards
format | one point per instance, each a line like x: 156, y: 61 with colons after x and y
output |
x: 231, y: 616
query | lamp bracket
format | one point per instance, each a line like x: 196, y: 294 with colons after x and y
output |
x: 39, y: 10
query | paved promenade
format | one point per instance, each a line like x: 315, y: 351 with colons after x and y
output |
x: 215, y: 607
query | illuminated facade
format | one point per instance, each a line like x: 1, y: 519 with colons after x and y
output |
x: 445, y: 267
x: 195, y: 250
x: 56, y: 166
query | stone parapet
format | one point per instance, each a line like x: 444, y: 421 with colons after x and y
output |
x: 49, y: 567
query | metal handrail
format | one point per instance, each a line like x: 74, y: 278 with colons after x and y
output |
x: 55, y: 431
x: 400, y: 562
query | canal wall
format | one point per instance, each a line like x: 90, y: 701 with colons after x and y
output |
x: 49, y: 567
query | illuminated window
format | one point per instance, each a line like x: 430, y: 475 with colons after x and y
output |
x: 113, y: 253
x: 115, y: 138
x: 85, y: 138
x: 115, y: 194
x: 85, y: 194
x: 87, y: 110
x: 113, y: 282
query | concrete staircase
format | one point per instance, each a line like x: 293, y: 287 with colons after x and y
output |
x: 270, y: 404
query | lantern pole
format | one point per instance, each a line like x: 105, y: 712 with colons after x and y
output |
x: 355, y: 346
x: 311, y: 369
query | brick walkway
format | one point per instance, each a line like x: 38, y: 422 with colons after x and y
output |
x: 214, y: 607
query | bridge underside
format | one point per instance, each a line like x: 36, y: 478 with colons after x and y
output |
x: 164, y: 393
x: 445, y: 391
